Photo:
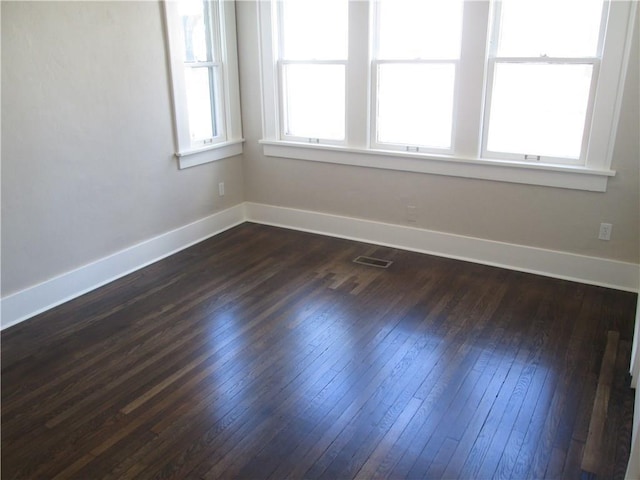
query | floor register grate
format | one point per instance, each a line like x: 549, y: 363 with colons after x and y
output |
x: 372, y: 262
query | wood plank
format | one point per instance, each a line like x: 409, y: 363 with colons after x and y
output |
x: 539, y: 440
x: 210, y: 459
x: 593, y: 447
x: 267, y: 353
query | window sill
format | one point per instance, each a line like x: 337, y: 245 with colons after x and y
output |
x: 560, y: 176
x: 210, y: 153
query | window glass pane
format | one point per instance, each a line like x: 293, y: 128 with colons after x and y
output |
x: 415, y: 104
x: 194, y: 26
x: 198, y: 88
x: 315, y: 101
x: 315, y: 29
x: 410, y: 29
x: 533, y: 28
x: 539, y: 109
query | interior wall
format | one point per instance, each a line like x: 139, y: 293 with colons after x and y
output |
x: 87, y: 138
x: 544, y: 217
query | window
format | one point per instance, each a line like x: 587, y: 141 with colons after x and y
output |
x: 417, y: 50
x: 542, y: 76
x: 312, y: 68
x: 204, y: 72
x: 524, y: 91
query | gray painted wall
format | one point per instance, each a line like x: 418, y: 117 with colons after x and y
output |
x: 87, y: 138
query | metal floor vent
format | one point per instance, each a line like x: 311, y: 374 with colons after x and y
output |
x: 372, y: 262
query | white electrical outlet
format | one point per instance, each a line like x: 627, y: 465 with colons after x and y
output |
x: 221, y: 189
x: 605, y: 231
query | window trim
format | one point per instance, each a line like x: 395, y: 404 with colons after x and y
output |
x: 573, y: 177
x: 468, y: 161
x: 228, y: 141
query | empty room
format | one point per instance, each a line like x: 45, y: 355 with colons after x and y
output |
x: 320, y: 239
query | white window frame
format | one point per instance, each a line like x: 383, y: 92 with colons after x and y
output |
x: 491, y: 66
x: 467, y: 159
x: 282, y: 64
x: 226, y: 102
x: 376, y: 62
x: 494, y: 58
x: 375, y: 78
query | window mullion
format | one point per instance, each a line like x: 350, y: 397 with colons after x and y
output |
x: 357, y: 75
x: 468, y: 113
x: 271, y: 75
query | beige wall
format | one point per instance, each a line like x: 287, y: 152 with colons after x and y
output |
x: 552, y: 218
x: 87, y: 138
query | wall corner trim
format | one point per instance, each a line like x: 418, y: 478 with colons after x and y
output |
x: 567, y: 266
x: 36, y: 299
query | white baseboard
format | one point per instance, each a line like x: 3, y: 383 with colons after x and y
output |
x: 36, y: 299
x: 550, y: 263
x: 25, y: 304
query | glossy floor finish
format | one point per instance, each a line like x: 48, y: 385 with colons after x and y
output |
x: 268, y: 353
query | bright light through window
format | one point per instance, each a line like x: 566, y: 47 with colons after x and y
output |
x: 194, y: 25
x: 418, y: 48
x: 314, y: 49
x: 315, y: 29
x: 496, y: 84
x: 539, y: 109
x: 315, y: 97
x: 427, y: 29
x: 199, y: 70
x: 198, y: 89
x: 415, y: 105
x: 542, y: 71
x: 533, y: 28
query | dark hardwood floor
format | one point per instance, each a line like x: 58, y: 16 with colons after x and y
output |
x: 267, y: 353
